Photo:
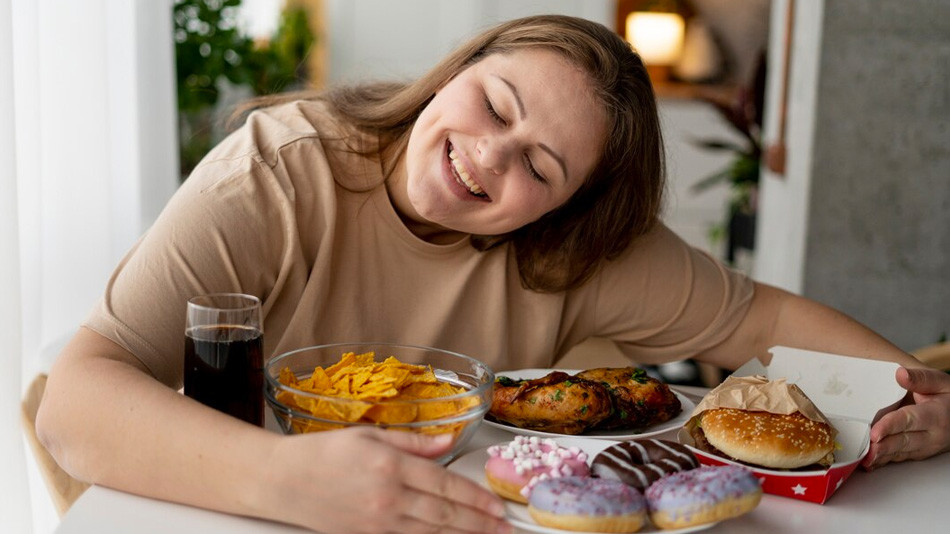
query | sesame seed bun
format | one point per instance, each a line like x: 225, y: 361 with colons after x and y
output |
x: 775, y: 441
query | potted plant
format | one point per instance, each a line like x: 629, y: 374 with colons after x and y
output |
x: 744, y: 113
x: 210, y: 49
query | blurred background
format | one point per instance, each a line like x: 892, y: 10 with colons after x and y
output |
x: 808, y: 143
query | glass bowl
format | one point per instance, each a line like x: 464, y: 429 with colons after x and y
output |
x: 299, y: 411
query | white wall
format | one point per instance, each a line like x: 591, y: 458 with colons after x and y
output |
x: 381, y: 38
x: 783, y: 208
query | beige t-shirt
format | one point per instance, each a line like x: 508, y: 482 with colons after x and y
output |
x: 282, y: 210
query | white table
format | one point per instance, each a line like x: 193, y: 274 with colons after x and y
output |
x: 905, y: 497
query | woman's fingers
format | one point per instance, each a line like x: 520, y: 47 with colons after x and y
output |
x: 428, y: 446
x: 445, y: 514
x: 436, y: 497
x: 918, y: 430
x: 446, y: 498
x: 923, y: 381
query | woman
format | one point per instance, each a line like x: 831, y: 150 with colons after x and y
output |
x: 504, y: 205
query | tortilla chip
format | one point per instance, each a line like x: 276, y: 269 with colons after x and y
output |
x: 364, y: 390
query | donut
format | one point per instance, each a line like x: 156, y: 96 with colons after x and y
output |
x: 641, y: 462
x: 512, y: 468
x: 587, y: 504
x: 704, y: 495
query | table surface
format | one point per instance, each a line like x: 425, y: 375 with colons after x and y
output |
x: 908, y: 496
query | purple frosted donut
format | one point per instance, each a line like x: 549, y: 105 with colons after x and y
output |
x: 587, y: 504
x: 704, y: 495
x: 642, y: 462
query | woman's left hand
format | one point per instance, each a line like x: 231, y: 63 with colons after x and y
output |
x: 917, y: 430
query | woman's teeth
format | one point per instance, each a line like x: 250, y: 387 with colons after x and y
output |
x: 463, y: 176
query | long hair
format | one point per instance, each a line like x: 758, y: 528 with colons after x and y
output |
x: 618, y: 202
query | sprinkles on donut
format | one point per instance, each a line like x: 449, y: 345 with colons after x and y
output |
x: 587, y: 504
x: 705, y: 495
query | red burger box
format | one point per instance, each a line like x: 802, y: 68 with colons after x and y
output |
x: 853, y: 393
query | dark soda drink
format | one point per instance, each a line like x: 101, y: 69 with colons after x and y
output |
x: 224, y: 369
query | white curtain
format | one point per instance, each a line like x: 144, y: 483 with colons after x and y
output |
x: 88, y: 157
x: 14, y: 505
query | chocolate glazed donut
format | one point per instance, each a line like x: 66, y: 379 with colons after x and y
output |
x: 642, y: 462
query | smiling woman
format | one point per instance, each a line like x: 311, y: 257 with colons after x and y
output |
x: 503, y: 206
x: 479, y: 158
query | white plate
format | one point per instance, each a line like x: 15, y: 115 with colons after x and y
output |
x: 472, y: 465
x: 618, y: 435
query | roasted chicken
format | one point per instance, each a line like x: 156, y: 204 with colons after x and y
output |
x: 556, y: 403
x: 596, y: 399
x: 639, y: 400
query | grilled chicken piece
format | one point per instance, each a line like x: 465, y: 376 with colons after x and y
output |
x: 639, y: 400
x: 556, y: 402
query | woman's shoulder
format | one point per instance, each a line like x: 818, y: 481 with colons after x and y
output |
x: 658, y: 257
x: 269, y: 130
x: 294, y: 139
x: 659, y: 244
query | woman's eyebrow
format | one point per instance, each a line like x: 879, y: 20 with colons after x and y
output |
x: 524, y: 115
x: 514, y: 91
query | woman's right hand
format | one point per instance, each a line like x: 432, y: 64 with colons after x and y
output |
x: 373, y: 480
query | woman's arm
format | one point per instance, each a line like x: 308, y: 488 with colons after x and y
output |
x: 107, y: 421
x: 775, y: 317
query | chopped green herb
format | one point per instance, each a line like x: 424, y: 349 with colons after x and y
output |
x: 584, y: 409
x: 558, y: 395
x: 506, y: 381
x: 639, y: 376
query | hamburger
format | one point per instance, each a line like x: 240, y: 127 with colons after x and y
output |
x: 763, y: 439
x: 763, y: 423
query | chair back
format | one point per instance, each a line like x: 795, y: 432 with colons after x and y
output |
x: 936, y: 355
x: 63, y: 488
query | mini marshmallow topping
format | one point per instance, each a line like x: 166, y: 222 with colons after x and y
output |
x: 542, y: 457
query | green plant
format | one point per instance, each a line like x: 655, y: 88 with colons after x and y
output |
x: 210, y: 47
x: 744, y: 114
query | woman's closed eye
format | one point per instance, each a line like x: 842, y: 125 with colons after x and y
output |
x: 494, y: 114
x: 532, y: 171
x: 529, y: 167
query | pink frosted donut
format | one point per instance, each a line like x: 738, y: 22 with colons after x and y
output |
x: 514, y: 467
x: 704, y: 495
x: 587, y: 504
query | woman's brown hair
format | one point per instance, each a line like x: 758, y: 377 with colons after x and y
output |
x: 618, y: 202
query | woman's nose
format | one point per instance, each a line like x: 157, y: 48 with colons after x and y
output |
x: 491, y: 154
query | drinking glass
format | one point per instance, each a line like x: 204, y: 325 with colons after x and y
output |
x: 224, y: 354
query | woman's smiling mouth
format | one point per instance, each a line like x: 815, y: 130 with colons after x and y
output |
x: 461, y: 174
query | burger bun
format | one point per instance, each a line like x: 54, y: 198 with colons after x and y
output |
x: 774, y: 441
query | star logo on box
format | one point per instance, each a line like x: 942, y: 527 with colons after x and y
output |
x: 799, y: 489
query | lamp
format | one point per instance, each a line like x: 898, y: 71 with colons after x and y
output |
x: 658, y: 38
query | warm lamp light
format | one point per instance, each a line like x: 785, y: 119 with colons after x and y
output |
x: 657, y: 37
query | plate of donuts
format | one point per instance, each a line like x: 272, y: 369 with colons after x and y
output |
x: 473, y: 466
x: 671, y: 425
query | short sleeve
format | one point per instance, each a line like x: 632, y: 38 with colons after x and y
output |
x: 664, y: 300
x: 223, y: 231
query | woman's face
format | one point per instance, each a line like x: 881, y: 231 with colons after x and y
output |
x: 507, y: 140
